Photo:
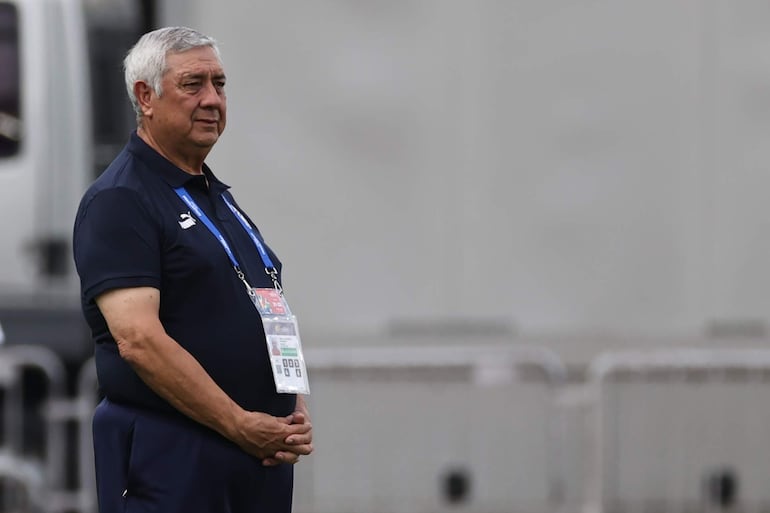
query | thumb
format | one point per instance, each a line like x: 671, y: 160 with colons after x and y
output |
x: 299, y: 417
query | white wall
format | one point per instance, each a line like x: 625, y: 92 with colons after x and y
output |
x: 566, y: 167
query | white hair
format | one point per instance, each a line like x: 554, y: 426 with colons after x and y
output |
x: 146, y: 61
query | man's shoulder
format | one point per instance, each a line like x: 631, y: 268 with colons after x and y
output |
x: 121, y: 173
x: 122, y: 182
x: 126, y: 173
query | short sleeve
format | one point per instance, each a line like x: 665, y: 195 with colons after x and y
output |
x: 116, y: 243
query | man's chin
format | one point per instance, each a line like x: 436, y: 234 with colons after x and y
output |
x: 206, y: 140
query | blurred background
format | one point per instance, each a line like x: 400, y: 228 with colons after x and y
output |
x: 526, y: 242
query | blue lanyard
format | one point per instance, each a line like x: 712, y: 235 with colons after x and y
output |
x: 200, y: 214
x: 252, y: 233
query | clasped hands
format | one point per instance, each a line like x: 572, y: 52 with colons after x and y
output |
x: 276, y: 440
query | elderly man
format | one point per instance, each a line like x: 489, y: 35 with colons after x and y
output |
x: 195, y: 416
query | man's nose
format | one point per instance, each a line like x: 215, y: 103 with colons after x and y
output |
x: 211, y: 95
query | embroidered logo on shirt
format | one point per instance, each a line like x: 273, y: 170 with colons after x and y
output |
x: 186, y: 220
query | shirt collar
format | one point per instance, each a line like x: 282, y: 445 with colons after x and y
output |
x: 171, y: 174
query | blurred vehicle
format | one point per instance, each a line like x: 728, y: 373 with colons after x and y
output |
x: 63, y: 115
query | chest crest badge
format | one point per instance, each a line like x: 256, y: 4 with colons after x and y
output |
x: 186, y: 220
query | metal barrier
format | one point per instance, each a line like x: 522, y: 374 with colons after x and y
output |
x: 472, y: 428
x: 428, y: 428
x: 44, y: 361
x: 476, y: 412
x: 78, y: 410
x: 23, y: 484
x: 16, y: 469
x: 679, y: 431
x: 41, y: 482
x: 421, y: 428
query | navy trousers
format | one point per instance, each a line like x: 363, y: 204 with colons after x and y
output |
x: 151, y: 462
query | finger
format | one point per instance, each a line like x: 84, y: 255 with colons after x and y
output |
x: 270, y: 462
x: 299, y: 429
x: 286, y: 457
x: 299, y: 417
x: 300, y: 439
x: 298, y: 434
x: 300, y: 449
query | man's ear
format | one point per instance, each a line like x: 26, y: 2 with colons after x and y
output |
x: 144, y: 94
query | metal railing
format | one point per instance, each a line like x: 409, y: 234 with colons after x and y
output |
x: 79, y: 411
x: 427, y: 428
x: 477, y: 372
x: 19, y: 471
x: 458, y: 423
x: 675, y: 431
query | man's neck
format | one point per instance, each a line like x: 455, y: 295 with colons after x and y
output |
x: 192, y: 164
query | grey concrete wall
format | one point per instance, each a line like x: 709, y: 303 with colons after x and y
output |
x: 561, y: 167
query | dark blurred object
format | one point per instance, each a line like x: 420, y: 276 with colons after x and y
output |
x: 720, y: 487
x: 456, y: 485
x: 60, y: 328
x: 53, y: 255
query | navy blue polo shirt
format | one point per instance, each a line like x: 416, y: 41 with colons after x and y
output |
x: 132, y: 230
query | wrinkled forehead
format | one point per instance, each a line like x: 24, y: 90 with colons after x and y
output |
x: 201, y: 60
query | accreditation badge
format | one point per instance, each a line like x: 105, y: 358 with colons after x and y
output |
x: 283, y: 343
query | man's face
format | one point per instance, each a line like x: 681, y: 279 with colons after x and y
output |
x: 191, y: 114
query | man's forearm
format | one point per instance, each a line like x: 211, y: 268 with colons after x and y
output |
x: 176, y: 376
